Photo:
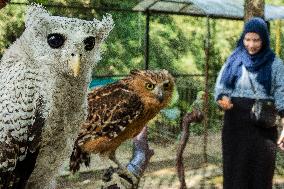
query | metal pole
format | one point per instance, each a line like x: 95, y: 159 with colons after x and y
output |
x: 146, y: 44
x: 206, y: 104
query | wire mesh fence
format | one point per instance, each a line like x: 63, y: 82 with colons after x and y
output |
x: 125, y: 51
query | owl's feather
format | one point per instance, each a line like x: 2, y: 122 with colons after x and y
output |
x: 109, y: 113
x: 119, y: 111
x: 44, y: 77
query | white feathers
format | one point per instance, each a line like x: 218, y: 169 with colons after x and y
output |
x: 34, y: 13
x: 105, y: 26
x: 36, y: 84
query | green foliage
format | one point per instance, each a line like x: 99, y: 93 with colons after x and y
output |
x: 187, y: 90
x: 168, y: 43
x: 163, y: 130
x: 279, y: 163
x: 11, y: 25
x: 124, y: 47
x: 275, y: 2
x: 177, y: 43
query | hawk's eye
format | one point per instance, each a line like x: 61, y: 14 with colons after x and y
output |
x: 55, y: 40
x: 150, y: 86
x: 89, y: 43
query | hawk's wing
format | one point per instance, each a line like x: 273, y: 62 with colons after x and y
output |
x: 111, y: 110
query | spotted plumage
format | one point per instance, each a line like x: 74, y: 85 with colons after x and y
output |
x: 119, y: 111
x: 44, y: 77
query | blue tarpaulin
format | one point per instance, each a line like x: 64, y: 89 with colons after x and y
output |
x: 101, y: 82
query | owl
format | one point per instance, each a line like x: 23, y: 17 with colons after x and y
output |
x: 44, y: 77
x: 118, y: 112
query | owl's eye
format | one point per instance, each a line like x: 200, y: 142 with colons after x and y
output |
x: 150, y: 86
x: 89, y: 43
x: 55, y: 40
x: 166, y: 85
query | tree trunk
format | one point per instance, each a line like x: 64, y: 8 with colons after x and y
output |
x: 3, y: 3
x: 253, y: 8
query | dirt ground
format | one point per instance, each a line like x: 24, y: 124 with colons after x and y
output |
x: 161, y: 173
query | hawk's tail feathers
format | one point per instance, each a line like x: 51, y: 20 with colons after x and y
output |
x: 78, y: 157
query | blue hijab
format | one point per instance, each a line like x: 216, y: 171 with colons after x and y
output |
x: 260, y: 62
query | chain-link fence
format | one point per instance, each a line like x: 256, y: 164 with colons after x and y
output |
x: 125, y: 50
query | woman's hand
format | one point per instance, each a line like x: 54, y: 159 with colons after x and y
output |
x: 225, y: 103
x: 280, y: 141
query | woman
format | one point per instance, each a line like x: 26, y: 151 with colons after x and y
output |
x: 251, y: 72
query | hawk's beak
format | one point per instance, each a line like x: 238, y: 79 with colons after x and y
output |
x: 75, y: 65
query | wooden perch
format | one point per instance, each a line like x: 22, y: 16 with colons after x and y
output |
x: 195, y: 116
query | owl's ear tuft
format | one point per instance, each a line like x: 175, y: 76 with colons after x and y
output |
x: 104, y: 26
x: 165, y: 71
x: 34, y: 13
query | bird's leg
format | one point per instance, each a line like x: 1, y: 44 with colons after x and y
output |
x: 135, y: 168
x: 113, y: 158
x: 107, y: 176
x: 121, y: 170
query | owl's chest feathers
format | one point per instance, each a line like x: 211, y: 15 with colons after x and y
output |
x: 68, y: 111
x: 136, y: 126
x: 69, y: 97
x: 104, y: 145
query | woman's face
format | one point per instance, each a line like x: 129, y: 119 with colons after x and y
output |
x: 252, y: 43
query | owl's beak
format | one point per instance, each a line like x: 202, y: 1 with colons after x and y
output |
x: 75, y: 63
x: 160, y: 95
